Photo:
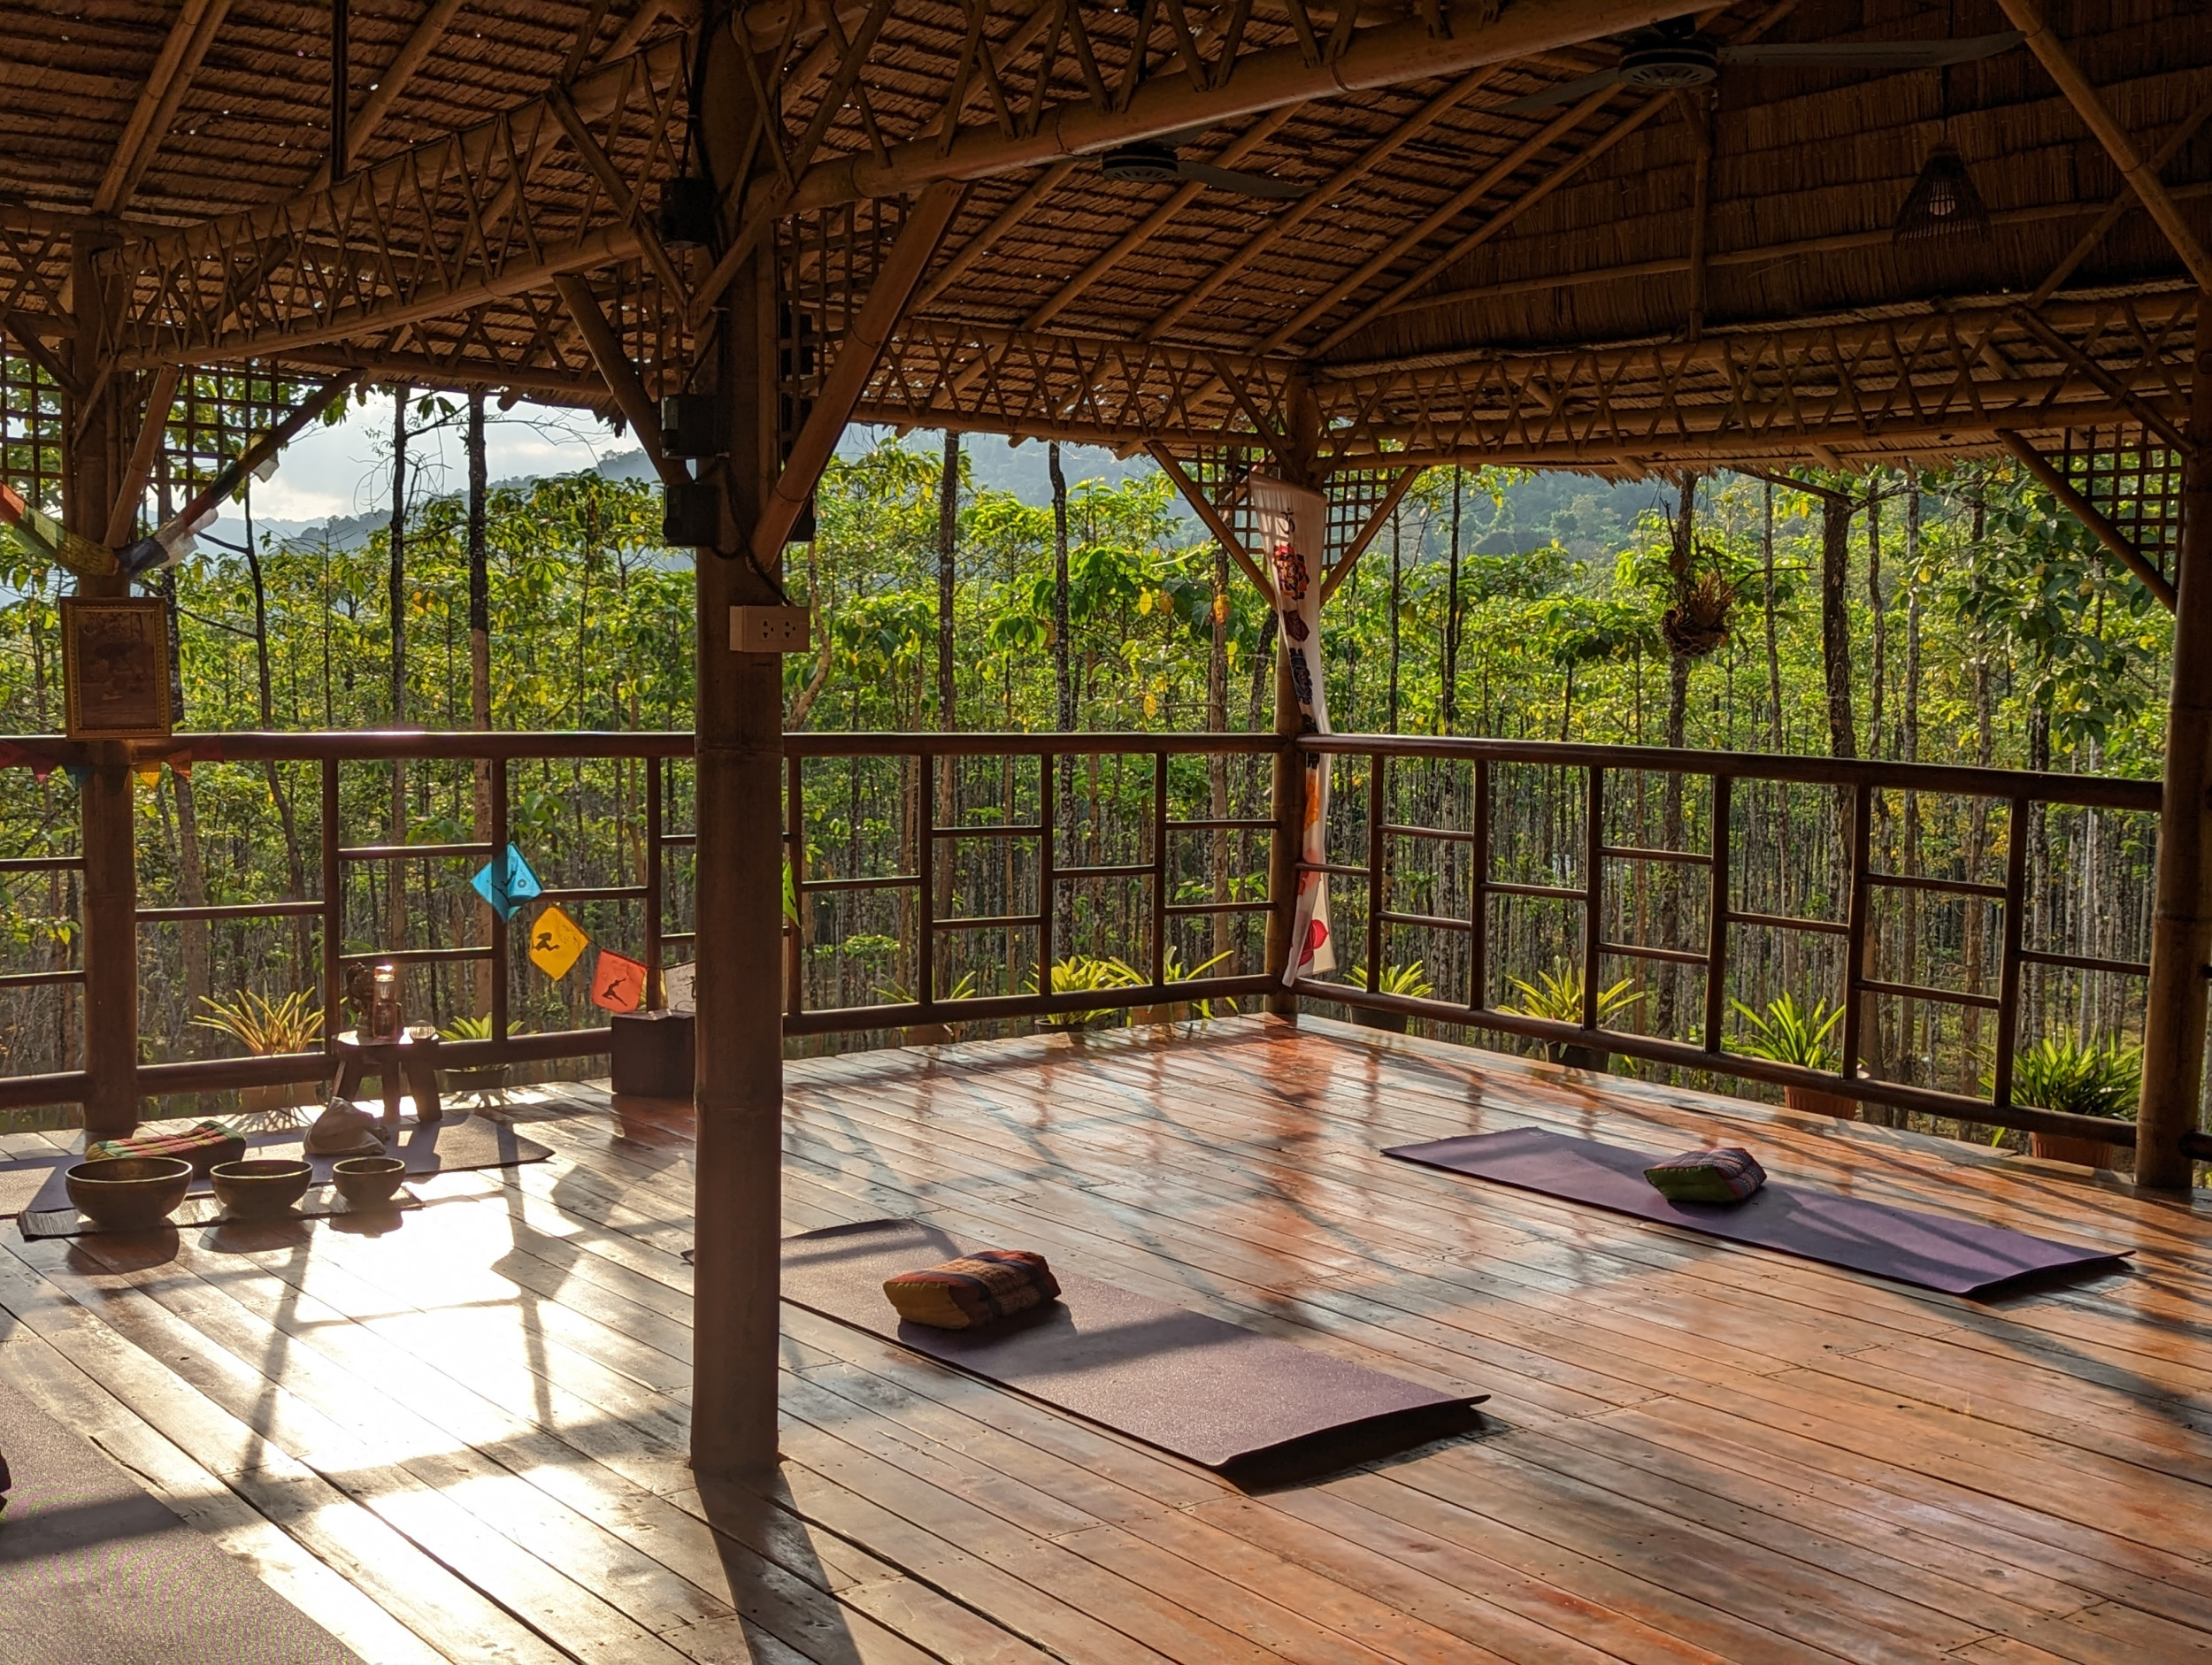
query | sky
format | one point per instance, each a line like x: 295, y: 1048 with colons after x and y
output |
x: 346, y: 470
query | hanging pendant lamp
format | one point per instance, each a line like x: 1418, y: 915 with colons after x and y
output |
x: 1943, y: 204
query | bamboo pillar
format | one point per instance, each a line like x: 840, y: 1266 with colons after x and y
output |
x: 739, y: 1094
x: 94, y: 443
x: 2181, y: 929
x: 1285, y: 841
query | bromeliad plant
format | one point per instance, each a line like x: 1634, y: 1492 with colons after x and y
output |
x: 1557, y: 994
x: 1787, y: 1034
x: 263, y: 1026
x: 1409, y: 981
x: 2087, y: 1080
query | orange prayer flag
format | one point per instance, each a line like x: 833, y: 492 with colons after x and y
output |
x: 617, y: 982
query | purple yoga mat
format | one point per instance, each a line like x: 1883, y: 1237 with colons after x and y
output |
x: 1188, y: 1384
x: 1932, y: 1250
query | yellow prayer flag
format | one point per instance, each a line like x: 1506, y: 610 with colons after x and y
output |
x: 555, y: 943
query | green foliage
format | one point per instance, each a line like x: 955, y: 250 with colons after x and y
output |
x: 1557, y: 994
x: 264, y: 1026
x: 1409, y: 981
x: 1787, y: 1033
x: 2057, y: 1074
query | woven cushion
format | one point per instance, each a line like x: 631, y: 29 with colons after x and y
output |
x: 975, y: 1290
x: 1727, y: 1175
x: 202, y: 1146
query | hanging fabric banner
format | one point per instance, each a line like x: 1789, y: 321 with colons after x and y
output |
x: 1290, y: 521
x: 555, y: 941
x: 617, y: 982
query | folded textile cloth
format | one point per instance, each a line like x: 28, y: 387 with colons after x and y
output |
x: 1726, y: 1175
x: 973, y: 1290
x: 341, y: 1130
x: 203, y: 1146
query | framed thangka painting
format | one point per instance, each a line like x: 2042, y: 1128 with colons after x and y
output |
x: 115, y: 663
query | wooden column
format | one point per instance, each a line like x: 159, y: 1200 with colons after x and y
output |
x: 95, y: 441
x: 1284, y: 843
x: 739, y: 1094
x: 2181, y: 930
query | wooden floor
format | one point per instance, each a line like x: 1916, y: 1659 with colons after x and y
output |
x: 465, y: 1438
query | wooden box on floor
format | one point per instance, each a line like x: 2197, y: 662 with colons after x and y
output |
x: 653, y: 1053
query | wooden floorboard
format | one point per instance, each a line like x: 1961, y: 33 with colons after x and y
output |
x: 465, y: 1438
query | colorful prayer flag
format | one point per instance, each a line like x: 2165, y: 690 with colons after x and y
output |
x: 617, y: 982
x: 555, y: 942
x: 520, y: 886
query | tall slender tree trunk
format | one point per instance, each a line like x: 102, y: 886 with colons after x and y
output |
x: 1217, y: 763
x: 396, y: 875
x: 1451, y: 615
x: 191, y: 874
x: 1909, y: 721
x: 947, y: 711
x: 1060, y: 642
x: 1835, y: 621
x: 481, y: 974
x: 303, y: 967
x: 1681, y: 561
x: 1774, y: 656
x: 1877, y: 679
x: 1397, y: 601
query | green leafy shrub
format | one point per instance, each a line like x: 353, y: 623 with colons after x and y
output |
x: 1787, y: 1033
x: 1557, y: 994
x: 2065, y: 1075
x: 1409, y: 981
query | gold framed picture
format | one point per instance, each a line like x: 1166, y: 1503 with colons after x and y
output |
x: 115, y: 665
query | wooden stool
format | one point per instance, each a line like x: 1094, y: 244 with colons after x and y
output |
x: 405, y: 1068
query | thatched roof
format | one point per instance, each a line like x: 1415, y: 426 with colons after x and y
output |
x: 1462, y: 278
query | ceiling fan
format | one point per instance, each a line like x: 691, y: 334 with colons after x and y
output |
x: 1673, y: 55
x: 1154, y: 162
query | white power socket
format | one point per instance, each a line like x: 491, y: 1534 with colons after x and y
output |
x: 770, y: 630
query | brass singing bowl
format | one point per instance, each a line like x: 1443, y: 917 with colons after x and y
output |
x: 262, y: 1188
x: 129, y: 1193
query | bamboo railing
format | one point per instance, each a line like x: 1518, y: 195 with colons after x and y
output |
x: 929, y: 843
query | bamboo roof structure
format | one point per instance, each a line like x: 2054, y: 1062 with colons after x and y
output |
x: 1627, y: 279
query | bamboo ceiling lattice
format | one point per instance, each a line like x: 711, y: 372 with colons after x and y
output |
x: 1627, y: 281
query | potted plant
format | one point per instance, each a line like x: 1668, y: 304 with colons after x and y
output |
x: 1085, y: 974
x: 2087, y: 1080
x: 929, y: 1035
x: 1173, y: 970
x: 484, y: 1078
x: 1557, y: 994
x: 266, y: 1029
x: 1787, y: 1033
x: 1408, y: 981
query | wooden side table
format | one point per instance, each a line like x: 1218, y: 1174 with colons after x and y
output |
x: 406, y: 1067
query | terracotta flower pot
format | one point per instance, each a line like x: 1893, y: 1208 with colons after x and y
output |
x: 2089, y: 1152
x: 281, y: 1095
x: 1819, y: 1103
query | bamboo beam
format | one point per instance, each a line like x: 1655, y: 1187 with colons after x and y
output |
x: 25, y: 329
x: 1153, y: 224
x: 621, y: 376
x: 1203, y: 506
x: 1350, y: 559
x: 973, y: 250
x: 161, y: 393
x: 1437, y: 218
x: 2090, y: 516
x: 2142, y: 179
x: 2120, y: 204
x: 1298, y: 212
x: 1476, y: 35
x: 855, y: 365
x: 2181, y: 926
x: 414, y: 52
x: 233, y: 473
x: 148, y: 125
x: 1499, y: 221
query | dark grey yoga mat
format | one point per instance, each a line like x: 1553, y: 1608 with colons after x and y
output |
x: 1202, y: 1389
x: 1932, y: 1250
x: 459, y: 1142
x: 96, y: 1571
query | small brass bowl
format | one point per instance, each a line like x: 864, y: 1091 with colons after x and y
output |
x: 129, y: 1193
x: 261, y: 1189
x: 367, y: 1181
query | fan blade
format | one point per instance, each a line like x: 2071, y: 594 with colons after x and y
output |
x: 1565, y: 93
x: 1229, y: 179
x: 1871, y: 53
